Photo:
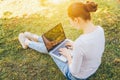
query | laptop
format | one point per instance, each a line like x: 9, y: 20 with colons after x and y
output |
x: 55, y: 39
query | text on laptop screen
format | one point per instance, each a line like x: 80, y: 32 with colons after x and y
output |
x: 54, y: 37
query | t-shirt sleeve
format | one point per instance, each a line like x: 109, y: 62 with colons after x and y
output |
x: 76, y: 60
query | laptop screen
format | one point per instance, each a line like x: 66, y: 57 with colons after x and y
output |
x: 54, y: 37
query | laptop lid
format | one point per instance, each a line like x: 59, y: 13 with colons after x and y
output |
x: 54, y: 37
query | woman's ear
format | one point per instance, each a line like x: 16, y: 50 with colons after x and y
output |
x: 76, y: 20
x: 80, y: 20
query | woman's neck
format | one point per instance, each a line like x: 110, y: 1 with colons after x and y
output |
x: 88, y: 27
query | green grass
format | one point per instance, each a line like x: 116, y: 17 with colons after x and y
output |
x: 19, y: 64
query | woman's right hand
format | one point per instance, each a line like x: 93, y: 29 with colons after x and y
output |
x: 69, y: 45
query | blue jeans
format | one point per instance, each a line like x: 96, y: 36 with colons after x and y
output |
x: 63, y: 66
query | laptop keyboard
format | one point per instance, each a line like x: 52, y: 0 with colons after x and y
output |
x: 56, y: 52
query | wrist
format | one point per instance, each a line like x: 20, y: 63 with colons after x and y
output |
x: 69, y: 58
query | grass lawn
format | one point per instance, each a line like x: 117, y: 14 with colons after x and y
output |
x: 19, y: 64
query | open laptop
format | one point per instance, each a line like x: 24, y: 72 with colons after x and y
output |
x: 55, y: 39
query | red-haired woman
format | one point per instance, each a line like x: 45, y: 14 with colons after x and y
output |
x: 87, y: 48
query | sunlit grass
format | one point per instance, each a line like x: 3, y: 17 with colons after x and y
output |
x: 19, y: 64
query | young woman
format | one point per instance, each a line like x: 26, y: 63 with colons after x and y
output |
x: 87, y: 49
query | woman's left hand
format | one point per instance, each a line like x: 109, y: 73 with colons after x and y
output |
x: 65, y: 52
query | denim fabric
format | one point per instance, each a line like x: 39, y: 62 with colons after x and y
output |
x: 71, y: 77
x: 63, y: 66
x: 38, y: 46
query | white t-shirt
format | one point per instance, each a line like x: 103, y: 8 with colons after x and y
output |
x: 87, y: 53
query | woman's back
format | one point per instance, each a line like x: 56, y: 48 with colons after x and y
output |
x: 91, y: 47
